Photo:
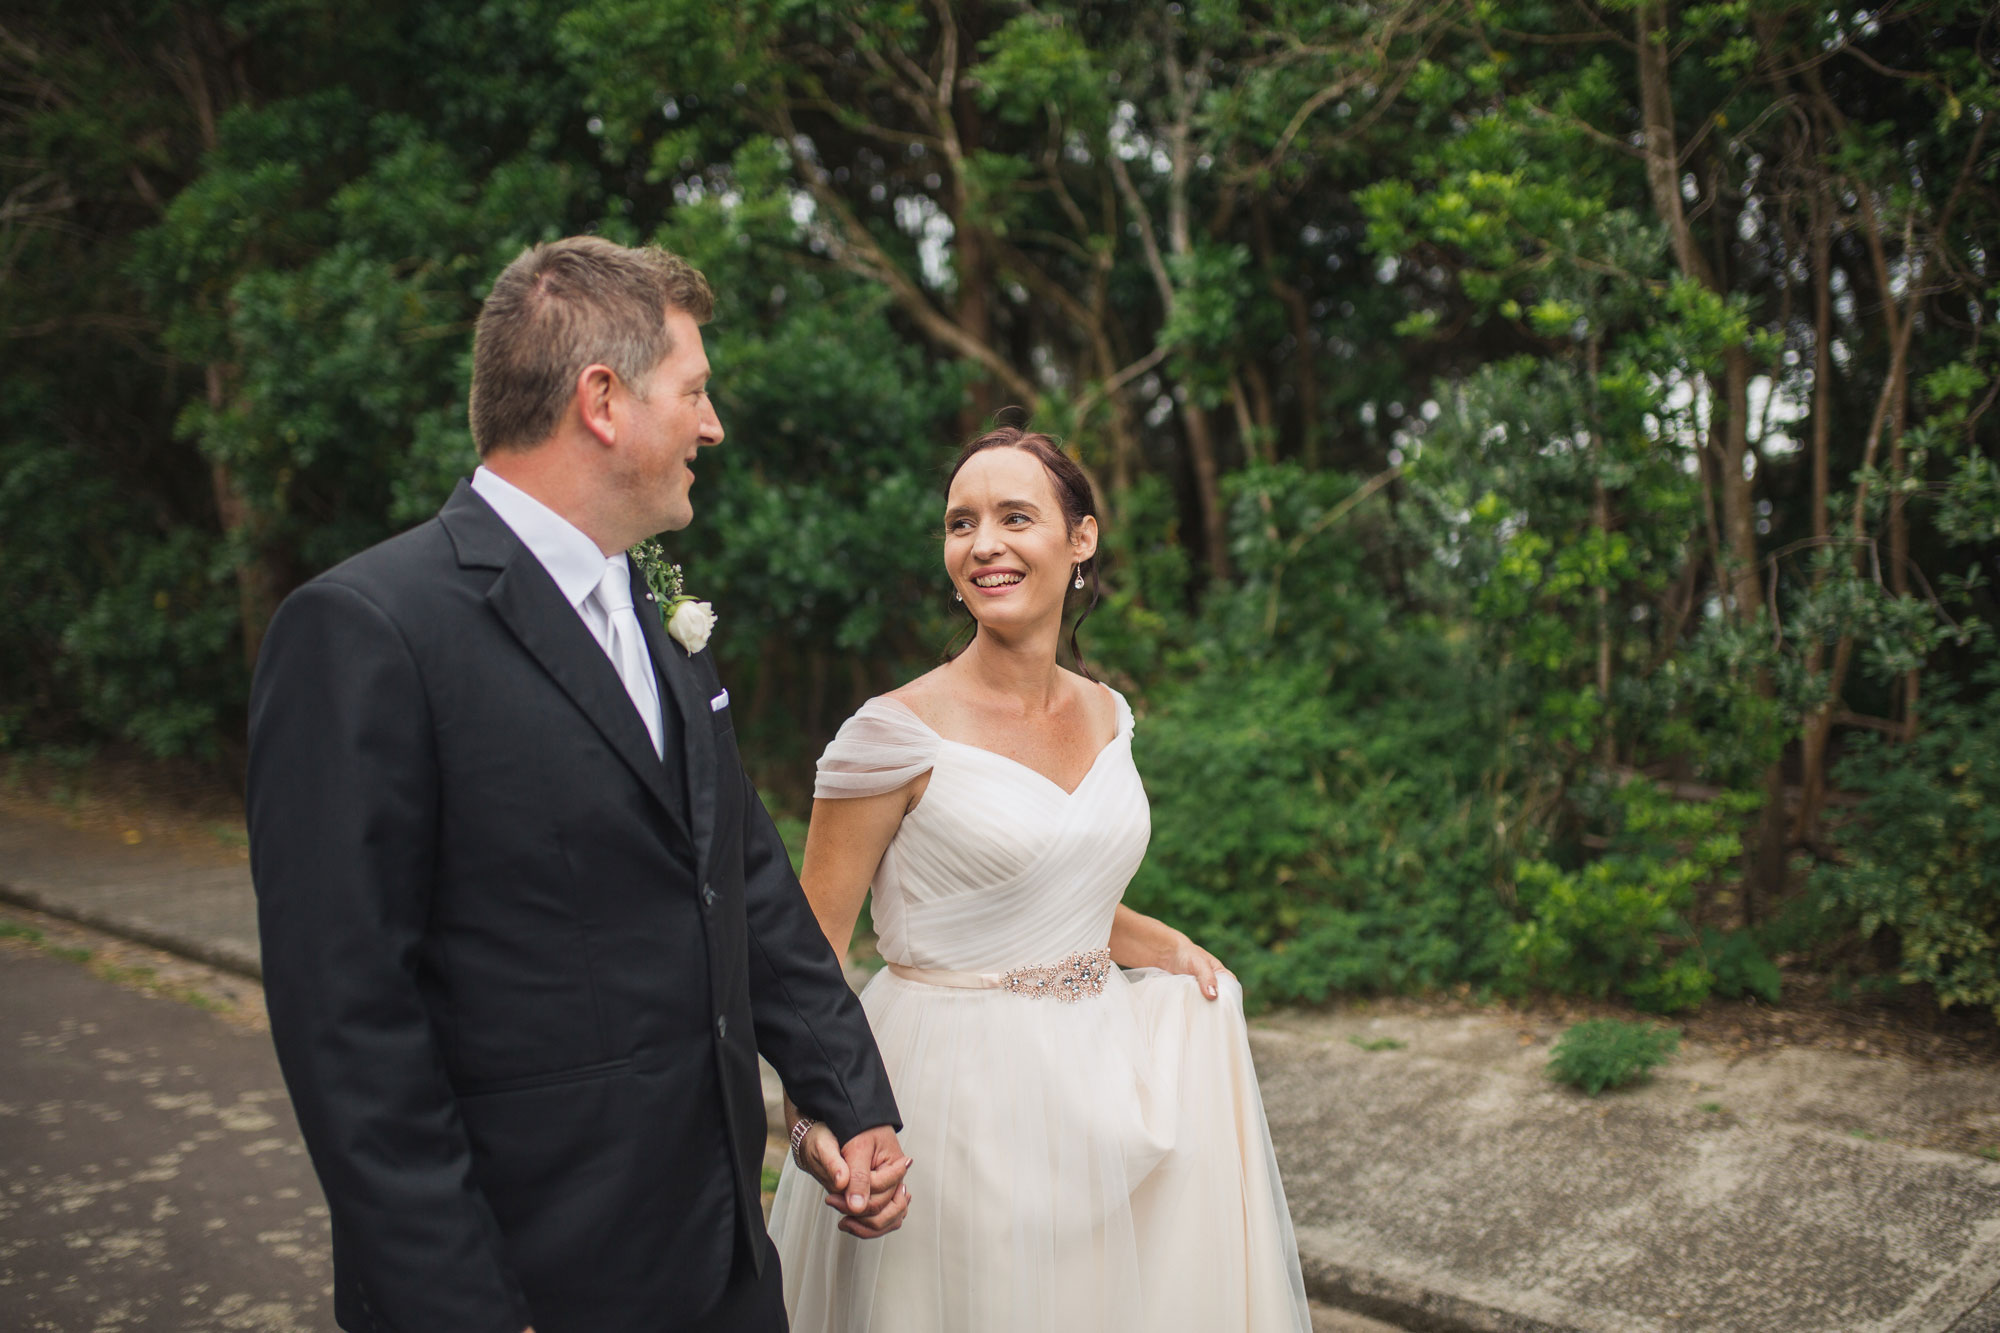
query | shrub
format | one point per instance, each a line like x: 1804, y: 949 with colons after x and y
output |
x: 1606, y: 926
x: 1323, y: 838
x: 1603, y: 1053
x: 1923, y: 856
x: 1739, y: 965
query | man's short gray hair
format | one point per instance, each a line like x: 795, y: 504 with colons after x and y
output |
x: 564, y: 305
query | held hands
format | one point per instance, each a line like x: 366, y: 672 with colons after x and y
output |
x: 863, y: 1178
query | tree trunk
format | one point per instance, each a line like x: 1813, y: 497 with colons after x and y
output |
x: 1208, y: 487
x: 1738, y: 492
x: 974, y: 260
x: 1299, y: 318
x: 1180, y: 242
x: 257, y: 582
x: 1765, y: 861
x: 1202, y: 459
x: 1819, y: 723
x: 1600, y: 519
x: 204, y: 71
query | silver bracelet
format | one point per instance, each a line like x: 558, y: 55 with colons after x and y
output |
x: 799, y: 1132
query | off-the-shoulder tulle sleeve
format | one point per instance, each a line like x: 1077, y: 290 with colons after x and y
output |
x: 879, y: 749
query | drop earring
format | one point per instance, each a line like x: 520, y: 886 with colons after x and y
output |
x: 1077, y: 582
x: 956, y: 595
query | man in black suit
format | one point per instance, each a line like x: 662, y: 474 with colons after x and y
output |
x: 526, y: 925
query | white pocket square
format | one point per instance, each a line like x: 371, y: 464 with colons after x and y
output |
x: 719, y: 702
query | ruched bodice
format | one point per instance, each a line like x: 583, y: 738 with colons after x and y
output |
x: 997, y: 867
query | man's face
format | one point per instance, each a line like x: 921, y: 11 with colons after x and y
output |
x: 667, y: 425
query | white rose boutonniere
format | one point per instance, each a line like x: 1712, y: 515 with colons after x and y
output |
x: 689, y: 622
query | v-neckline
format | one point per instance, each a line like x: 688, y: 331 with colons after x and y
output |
x: 1067, y: 793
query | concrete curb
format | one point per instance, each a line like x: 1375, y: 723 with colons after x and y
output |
x: 1984, y: 1319
x: 215, y: 953
x: 1410, y: 1306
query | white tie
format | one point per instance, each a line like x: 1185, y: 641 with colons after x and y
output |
x: 626, y: 644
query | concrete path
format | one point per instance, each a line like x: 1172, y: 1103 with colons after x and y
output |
x: 1445, y: 1184
x: 194, y: 904
x: 151, y: 1175
x: 1448, y: 1183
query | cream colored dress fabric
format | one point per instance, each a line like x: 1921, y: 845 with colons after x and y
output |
x: 1101, y: 1164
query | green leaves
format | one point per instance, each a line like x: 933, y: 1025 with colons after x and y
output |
x: 1211, y: 291
x: 1600, y: 1054
x: 1605, y: 927
x: 1924, y: 851
x: 1038, y: 65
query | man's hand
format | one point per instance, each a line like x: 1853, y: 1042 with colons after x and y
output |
x: 863, y: 1178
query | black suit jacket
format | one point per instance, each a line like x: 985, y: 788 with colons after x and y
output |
x: 519, y: 969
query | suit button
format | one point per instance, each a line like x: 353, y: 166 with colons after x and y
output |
x: 708, y: 895
x: 722, y: 1027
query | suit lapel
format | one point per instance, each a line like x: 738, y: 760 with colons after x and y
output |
x: 528, y: 602
x: 684, y: 691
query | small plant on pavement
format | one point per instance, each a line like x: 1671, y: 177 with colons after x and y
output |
x: 1606, y: 1053
x: 1378, y: 1044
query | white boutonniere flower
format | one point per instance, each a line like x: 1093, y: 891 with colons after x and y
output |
x: 689, y: 622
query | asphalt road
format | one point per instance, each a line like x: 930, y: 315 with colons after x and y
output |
x: 151, y: 1174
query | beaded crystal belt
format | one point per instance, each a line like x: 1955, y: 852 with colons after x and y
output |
x: 1070, y: 980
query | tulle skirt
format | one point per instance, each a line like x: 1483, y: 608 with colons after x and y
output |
x: 1102, y: 1164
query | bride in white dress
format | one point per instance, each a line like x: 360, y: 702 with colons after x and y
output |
x: 1089, y: 1146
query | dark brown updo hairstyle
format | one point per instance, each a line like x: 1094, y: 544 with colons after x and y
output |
x: 1078, y: 501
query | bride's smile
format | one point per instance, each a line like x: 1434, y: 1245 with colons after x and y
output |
x: 1006, y: 541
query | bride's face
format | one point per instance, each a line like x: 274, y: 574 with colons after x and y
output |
x: 1007, y: 546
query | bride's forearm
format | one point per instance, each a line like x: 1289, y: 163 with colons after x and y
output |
x: 1138, y: 940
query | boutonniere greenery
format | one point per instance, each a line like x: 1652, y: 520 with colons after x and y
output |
x: 689, y: 622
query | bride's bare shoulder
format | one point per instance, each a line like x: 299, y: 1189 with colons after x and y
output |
x: 1096, y: 701
x: 926, y: 696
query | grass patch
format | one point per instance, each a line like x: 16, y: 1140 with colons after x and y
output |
x: 1606, y: 1053
x: 1713, y: 1108
x: 14, y: 930
x: 138, y: 977
x: 1378, y: 1044
x: 148, y: 980
x: 1990, y: 1154
x: 770, y: 1180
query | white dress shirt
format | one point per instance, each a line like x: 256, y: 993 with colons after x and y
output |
x: 577, y: 567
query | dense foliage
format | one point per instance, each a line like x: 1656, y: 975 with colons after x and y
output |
x: 1924, y: 858
x: 1537, y: 442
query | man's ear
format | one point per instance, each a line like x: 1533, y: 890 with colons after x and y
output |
x: 596, y: 385
x: 1083, y: 542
